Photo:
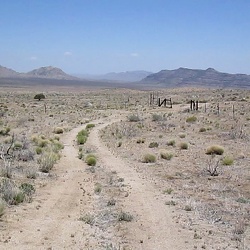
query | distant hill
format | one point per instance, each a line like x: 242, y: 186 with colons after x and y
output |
x: 5, y: 72
x: 197, y: 77
x: 128, y: 76
x: 50, y: 72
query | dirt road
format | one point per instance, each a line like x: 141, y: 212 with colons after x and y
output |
x: 51, y: 221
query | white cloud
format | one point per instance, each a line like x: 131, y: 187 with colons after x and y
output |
x: 134, y: 54
x: 33, y: 58
x: 67, y: 53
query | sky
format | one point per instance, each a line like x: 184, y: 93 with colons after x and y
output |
x: 101, y: 36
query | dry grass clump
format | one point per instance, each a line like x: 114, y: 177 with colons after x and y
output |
x: 183, y: 145
x: 166, y: 155
x: 215, y: 150
x: 191, y: 119
x: 2, y: 208
x: 133, y: 118
x: 47, y: 160
x: 171, y: 143
x: 149, y: 158
x: 58, y: 130
x: 124, y: 216
x: 153, y: 145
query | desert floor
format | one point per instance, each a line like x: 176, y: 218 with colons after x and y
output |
x: 164, y: 178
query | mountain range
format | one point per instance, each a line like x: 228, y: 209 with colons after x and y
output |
x: 48, y: 72
x: 198, y: 77
x: 164, y: 78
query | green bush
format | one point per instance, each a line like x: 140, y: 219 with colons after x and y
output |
x: 153, y: 145
x: 89, y: 126
x: 38, y: 150
x: 149, y: 158
x: 183, y: 145
x: 39, y: 96
x: 90, y: 160
x: 227, y: 161
x: 202, y: 130
x: 166, y: 156
x: 191, y: 119
x: 215, y: 149
x: 82, y: 136
x: 58, y: 130
x: 27, y: 189
x: 18, y: 198
x: 171, y: 143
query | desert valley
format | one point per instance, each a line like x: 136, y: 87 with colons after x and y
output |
x: 98, y: 164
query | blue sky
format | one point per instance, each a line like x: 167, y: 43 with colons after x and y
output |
x: 101, y: 36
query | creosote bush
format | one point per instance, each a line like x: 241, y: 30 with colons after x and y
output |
x: 215, y: 150
x: 149, y: 158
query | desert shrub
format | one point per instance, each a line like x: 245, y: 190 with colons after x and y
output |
x: 168, y: 191
x: 123, y: 216
x: 56, y: 146
x: 183, y: 145
x: 111, y: 202
x: 58, y: 130
x: 17, y: 145
x: 166, y: 156
x: 10, y: 192
x: 153, y: 145
x: 182, y: 135
x: 5, y: 131
x: 227, y: 161
x: 47, y: 161
x: 171, y: 143
x: 82, y: 136
x: 133, y: 118
x: 91, y: 160
x: 156, y: 117
x: 215, y: 149
x: 42, y: 143
x: 27, y: 188
x: 18, y: 198
x: 2, y: 208
x: 98, y: 188
x: 88, y: 219
x: 39, y: 96
x: 149, y: 158
x: 38, y: 150
x: 191, y: 119
x: 202, y: 130
x: 89, y: 126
